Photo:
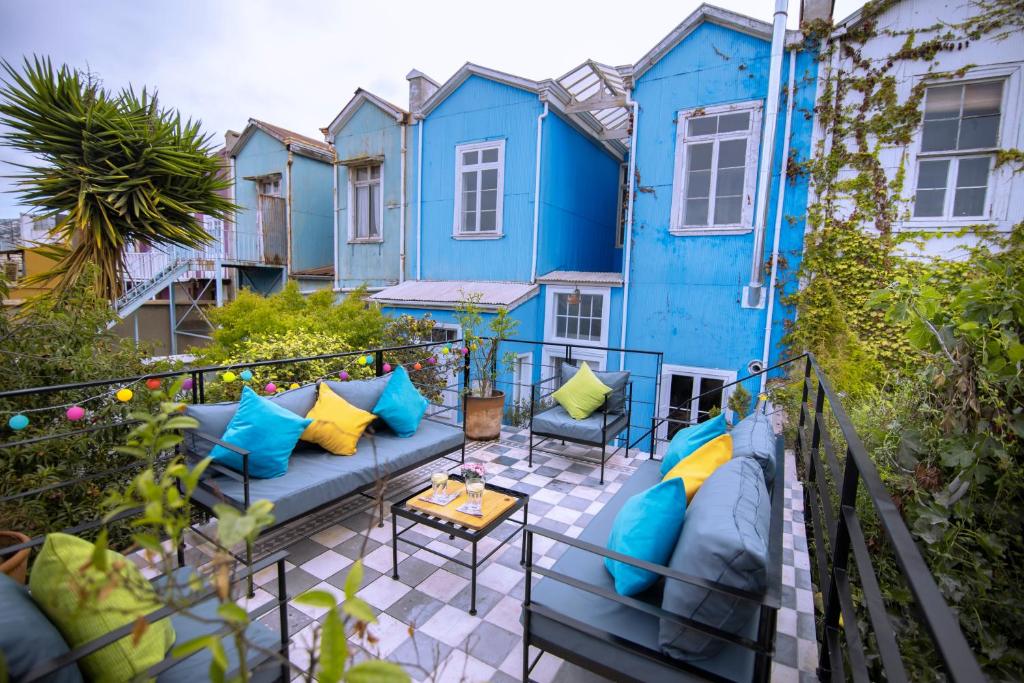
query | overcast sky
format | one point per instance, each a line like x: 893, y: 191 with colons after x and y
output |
x: 295, y: 63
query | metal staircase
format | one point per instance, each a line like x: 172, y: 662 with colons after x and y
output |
x: 142, y: 291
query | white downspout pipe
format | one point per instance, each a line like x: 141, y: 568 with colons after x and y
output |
x: 334, y: 200
x: 234, y: 213
x: 419, y: 197
x: 404, y: 205
x: 791, y: 90
x: 752, y: 297
x: 627, y: 229
x: 536, y: 192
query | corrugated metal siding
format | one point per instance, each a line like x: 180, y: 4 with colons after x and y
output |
x: 272, y: 219
x: 312, y: 226
x: 371, y: 132
x: 685, y: 293
x: 579, y: 181
x: 479, y: 110
x: 262, y: 155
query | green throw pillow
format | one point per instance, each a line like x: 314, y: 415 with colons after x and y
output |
x: 583, y: 394
x: 58, y: 574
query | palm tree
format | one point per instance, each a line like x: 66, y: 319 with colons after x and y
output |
x: 113, y: 168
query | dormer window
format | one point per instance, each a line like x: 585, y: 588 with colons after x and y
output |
x: 479, y: 186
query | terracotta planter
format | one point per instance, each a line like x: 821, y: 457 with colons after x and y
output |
x: 483, y: 416
x: 16, y: 565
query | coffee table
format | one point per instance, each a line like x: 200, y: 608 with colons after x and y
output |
x: 441, y: 518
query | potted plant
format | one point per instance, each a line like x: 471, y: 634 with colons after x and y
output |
x: 16, y: 565
x: 484, y: 403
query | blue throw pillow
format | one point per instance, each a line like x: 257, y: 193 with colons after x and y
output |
x: 686, y: 441
x: 401, y: 406
x: 268, y: 431
x: 647, y: 528
x: 27, y: 637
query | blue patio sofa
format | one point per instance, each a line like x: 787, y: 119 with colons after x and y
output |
x: 316, y: 478
x: 712, y: 614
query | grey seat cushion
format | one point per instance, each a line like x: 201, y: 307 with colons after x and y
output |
x: 203, y: 620
x: 616, y: 380
x: 725, y: 540
x: 27, y: 638
x: 630, y: 624
x: 362, y: 393
x: 753, y: 437
x: 558, y: 422
x: 316, y: 477
x: 213, y: 418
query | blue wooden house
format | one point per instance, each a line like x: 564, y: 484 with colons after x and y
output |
x: 282, y: 182
x: 716, y: 229
x: 516, y: 198
x: 371, y: 176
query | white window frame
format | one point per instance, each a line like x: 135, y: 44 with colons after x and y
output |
x: 274, y: 179
x: 698, y: 373
x: 996, y: 203
x: 523, y: 377
x: 550, y: 314
x: 753, y: 137
x: 595, y: 358
x: 457, y: 231
x: 352, y: 184
x: 450, y: 398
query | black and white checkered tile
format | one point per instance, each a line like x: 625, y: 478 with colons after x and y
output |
x: 423, y: 621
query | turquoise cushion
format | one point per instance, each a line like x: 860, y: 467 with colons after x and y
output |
x: 688, y: 440
x: 268, y: 431
x: 401, y: 406
x: 647, y: 528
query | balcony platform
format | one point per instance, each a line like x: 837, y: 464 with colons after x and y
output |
x: 423, y: 622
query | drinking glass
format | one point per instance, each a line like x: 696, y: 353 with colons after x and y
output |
x: 440, y: 485
x: 475, y: 493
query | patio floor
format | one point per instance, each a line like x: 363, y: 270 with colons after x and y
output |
x: 423, y: 621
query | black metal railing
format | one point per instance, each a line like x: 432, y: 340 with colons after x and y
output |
x: 856, y: 634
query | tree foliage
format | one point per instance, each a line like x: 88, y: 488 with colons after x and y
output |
x: 114, y: 168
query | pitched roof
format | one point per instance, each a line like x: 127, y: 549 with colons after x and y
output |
x: 303, y: 144
x: 711, y: 14
x: 448, y: 293
x: 357, y: 100
x: 580, y: 277
x: 469, y: 69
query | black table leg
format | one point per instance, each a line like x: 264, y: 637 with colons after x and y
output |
x: 394, y: 544
x: 472, y: 584
x: 526, y: 520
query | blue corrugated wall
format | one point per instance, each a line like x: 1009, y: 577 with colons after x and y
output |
x: 371, y: 132
x: 261, y: 155
x: 312, y: 226
x: 579, y: 181
x: 685, y: 293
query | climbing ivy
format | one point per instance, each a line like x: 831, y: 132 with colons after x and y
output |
x: 869, y: 304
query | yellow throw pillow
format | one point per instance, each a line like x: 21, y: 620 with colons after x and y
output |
x: 583, y: 394
x: 695, y: 468
x: 337, y: 424
x: 61, y: 573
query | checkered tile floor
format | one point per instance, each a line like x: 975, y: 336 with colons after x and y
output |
x: 423, y: 621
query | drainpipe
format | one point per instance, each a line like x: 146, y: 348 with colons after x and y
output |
x: 419, y: 196
x: 334, y: 215
x: 791, y: 90
x: 753, y: 294
x: 234, y: 213
x: 536, y: 192
x: 288, y: 216
x: 627, y: 229
x: 401, y: 216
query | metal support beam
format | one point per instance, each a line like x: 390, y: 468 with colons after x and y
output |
x: 173, y: 319
x: 218, y: 273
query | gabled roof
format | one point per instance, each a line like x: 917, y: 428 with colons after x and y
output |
x: 448, y: 294
x: 357, y: 101
x: 469, y: 69
x: 714, y: 15
x: 850, y: 21
x: 302, y: 144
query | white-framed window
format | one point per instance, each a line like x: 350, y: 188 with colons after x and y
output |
x: 523, y: 377
x: 955, y: 158
x: 689, y: 395
x: 479, y: 186
x: 715, y: 168
x: 578, y: 315
x: 450, y: 396
x: 269, y: 186
x: 366, y: 202
x: 555, y: 357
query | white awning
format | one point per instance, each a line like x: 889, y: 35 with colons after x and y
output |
x: 581, y: 277
x: 449, y: 293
